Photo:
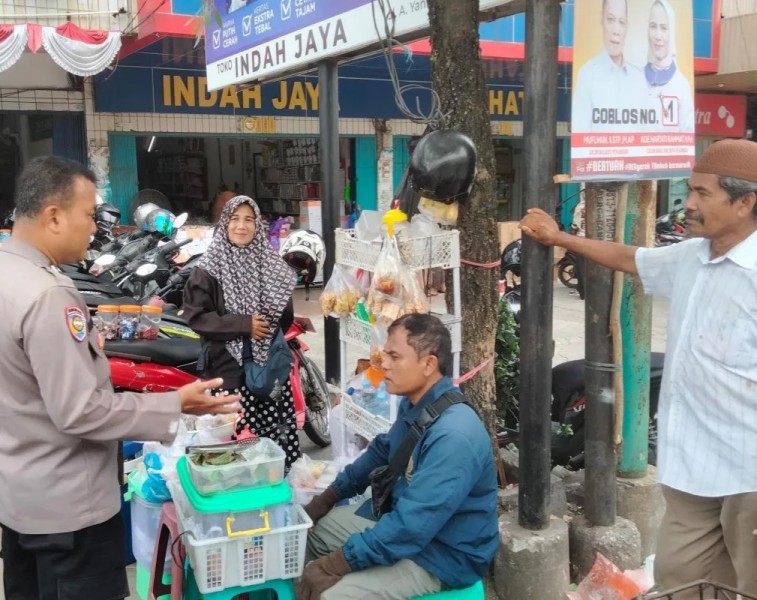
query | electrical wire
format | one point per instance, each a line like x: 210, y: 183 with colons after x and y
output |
x: 434, y: 118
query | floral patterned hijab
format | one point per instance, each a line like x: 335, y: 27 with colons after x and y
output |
x: 254, y: 279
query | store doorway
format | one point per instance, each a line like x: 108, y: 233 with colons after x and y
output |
x: 282, y: 175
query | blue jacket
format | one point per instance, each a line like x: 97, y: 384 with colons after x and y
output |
x: 445, y: 507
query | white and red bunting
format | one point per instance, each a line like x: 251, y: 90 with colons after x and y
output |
x: 79, y: 51
x: 12, y: 43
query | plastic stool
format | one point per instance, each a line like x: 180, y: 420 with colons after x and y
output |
x: 168, y: 534
x: 284, y: 589
x: 474, y: 592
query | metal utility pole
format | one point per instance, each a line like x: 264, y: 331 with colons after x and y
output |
x: 540, y: 191
x: 331, y: 195
x: 601, y: 509
x: 636, y: 321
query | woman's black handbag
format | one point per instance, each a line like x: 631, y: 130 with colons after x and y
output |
x: 261, y: 381
x: 385, y: 477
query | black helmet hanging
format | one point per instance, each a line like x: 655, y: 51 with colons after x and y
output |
x: 107, y: 214
x: 443, y: 166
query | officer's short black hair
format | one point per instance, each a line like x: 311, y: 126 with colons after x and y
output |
x: 46, y: 179
x: 428, y: 336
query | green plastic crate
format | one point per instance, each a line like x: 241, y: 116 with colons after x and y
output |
x: 234, y: 501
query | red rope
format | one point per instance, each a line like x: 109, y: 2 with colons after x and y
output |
x: 470, y: 263
x: 473, y: 372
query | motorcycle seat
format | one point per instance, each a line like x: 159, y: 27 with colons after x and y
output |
x: 171, y: 352
x: 570, y: 376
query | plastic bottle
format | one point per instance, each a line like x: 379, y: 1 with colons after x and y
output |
x: 368, y: 395
x: 394, y: 404
x: 382, y: 401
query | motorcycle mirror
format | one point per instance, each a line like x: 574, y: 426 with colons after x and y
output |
x: 146, y: 269
x: 179, y: 221
x: 105, y: 260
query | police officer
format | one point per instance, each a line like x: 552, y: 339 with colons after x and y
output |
x: 62, y: 534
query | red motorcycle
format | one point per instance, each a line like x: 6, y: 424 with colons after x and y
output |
x: 166, y: 364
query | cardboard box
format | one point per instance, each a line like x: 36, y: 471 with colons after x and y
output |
x: 508, y: 232
x: 310, y: 216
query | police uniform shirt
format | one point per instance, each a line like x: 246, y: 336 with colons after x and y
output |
x: 59, y: 416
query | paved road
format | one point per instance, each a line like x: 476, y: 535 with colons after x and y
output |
x: 568, y: 334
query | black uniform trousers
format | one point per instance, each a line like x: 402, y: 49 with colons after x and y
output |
x: 82, y: 565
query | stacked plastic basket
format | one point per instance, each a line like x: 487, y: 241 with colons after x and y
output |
x: 238, y: 522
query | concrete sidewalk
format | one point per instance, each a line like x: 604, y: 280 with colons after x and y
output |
x: 568, y: 327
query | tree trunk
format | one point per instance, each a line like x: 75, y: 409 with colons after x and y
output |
x: 458, y: 78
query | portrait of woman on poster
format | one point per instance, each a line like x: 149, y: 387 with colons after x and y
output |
x: 663, y: 76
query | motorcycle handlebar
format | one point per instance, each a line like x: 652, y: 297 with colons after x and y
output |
x: 173, y: 246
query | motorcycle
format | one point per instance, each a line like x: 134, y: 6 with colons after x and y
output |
x: 567, y: 270
x: 672, y: 222
x: 668, y: 239
x: 670, y: 228
x: 142, y: 269
x: 165, y: 365
x: 569, y: 411
x: 509, y: 274
x: 145, y: 276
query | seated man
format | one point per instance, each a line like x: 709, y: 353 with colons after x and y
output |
x: 441, y: 529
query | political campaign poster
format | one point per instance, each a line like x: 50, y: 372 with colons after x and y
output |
x: 633, y: 113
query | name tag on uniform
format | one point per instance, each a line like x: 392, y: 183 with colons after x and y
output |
x: 76, y: 323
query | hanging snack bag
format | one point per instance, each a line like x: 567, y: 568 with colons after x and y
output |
x: 413, y: 298
x: 341, y: 294
x: 385, y: 294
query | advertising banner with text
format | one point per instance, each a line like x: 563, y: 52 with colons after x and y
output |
x: 253, y: 40
x: 633, y: 113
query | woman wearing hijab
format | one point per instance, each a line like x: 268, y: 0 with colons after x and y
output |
x: 665, y: 80
x: 242, y: 289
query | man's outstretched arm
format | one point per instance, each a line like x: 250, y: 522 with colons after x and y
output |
x: 541, y: 227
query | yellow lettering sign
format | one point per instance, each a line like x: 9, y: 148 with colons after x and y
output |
x: 505, y: 103
x: 251, y: 98
x: 229, y: 97
x: 206, y: 100
x: 505, y: 128
x: 166, y: 90
x: 297, y: 99
x: 312, y: 90
x: 281, y: 102
x: 496, y: 102
x: 183, y: 92
x: 259, y: 125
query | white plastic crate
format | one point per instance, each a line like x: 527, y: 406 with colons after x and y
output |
x: 441, y: 251
x: 358, y: 332
x: 363, y: 422
x: 245, y: 558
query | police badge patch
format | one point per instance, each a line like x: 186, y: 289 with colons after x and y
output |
x: 76, y: 323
